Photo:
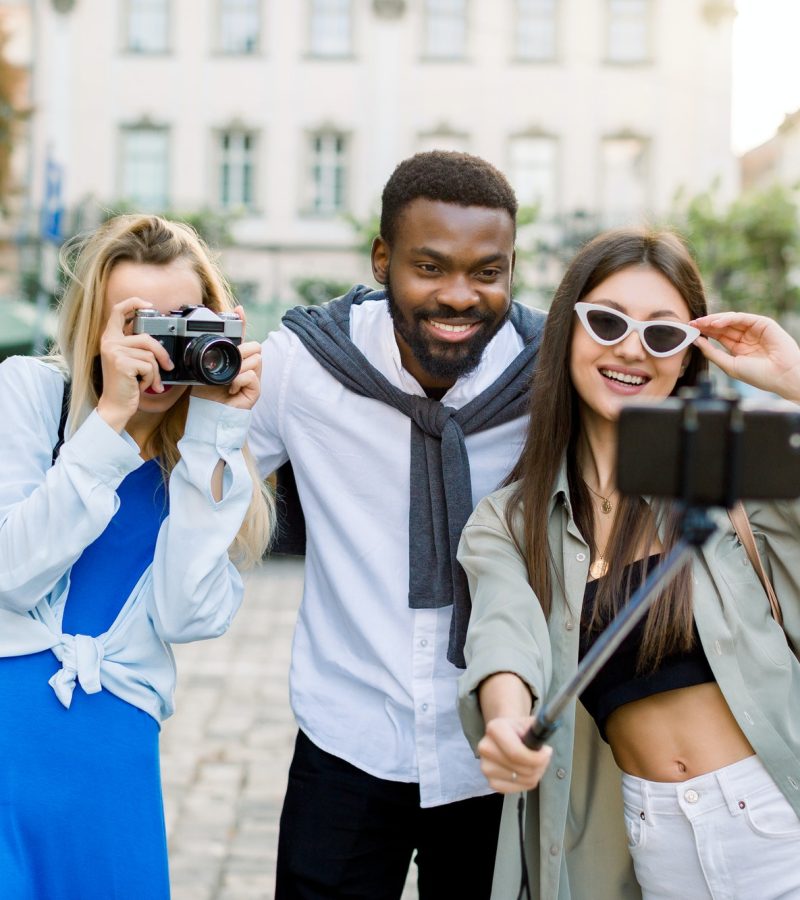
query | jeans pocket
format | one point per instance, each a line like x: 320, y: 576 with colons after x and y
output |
x: 770, y: 815
x: 635, y: 828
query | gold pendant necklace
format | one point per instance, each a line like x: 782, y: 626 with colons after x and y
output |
x: 606, y: 506
x: 598, y: 568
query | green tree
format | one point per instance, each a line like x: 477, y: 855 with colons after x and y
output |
x: 316, y: 291
x: 749, y: 252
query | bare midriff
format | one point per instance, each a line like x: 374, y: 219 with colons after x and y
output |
x: 676, y: 735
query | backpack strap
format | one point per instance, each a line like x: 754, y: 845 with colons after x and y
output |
x: 744, y: 531
x: 62, y: 421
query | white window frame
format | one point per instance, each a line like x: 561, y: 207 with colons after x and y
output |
x: 236, y: 170
x: 632, y: 207
x: 140, y: 35
x: 443, y: 139
x: 536, y: 31
x: 239, y: 26
x: 330, y: 28
x: 533, y: 167
x: 446, y: 29
x: 147, y: 168
x: 327, y: 172
x: 629, y: 31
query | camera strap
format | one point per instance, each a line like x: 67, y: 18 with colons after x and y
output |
x: 744, y: 531
x: 62, y: 421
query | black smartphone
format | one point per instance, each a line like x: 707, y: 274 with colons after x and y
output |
x: 756, y: 459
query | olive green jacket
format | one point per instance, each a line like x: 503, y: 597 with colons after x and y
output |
x: 575, y: 838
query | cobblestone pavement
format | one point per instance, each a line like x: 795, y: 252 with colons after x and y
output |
x: 226, y: 751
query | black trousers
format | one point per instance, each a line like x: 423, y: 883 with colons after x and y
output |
x: 347, y: 834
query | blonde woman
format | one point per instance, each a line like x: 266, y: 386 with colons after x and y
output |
x: 122, y: 545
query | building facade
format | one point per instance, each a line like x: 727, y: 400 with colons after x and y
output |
x: 289, y: 115
x: 777, y: 160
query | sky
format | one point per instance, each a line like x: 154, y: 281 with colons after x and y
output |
x: 766, y: 68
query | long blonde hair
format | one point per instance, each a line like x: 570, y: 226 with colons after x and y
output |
x: 87, y: 262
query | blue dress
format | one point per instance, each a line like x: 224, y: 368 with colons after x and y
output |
x: 81, y: 814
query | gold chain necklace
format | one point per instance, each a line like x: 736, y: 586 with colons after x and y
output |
x: 606, y: 506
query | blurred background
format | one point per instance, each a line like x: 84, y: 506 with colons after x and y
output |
x: 272, y: 125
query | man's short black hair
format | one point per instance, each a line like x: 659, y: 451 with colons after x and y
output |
x: 448, y: 176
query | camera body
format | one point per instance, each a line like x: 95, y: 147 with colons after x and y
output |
x: 203, y: 344
x: 709, y: 451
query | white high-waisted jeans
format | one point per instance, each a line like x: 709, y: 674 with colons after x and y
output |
x: 727, y: 835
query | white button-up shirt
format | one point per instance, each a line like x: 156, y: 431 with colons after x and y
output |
x: 370, y: 681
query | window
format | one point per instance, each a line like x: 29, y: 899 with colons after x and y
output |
x: 533, y: 171
x: 236, y: 154
x: 330, y: 33
x: 145, y: 167
x: 445, y: 29
x: 628, y: 31
x: 443, y: 139
x: 535, y: 34
x: 147, y: 26
x: 624, y: 178
x: 327, y: 173
x: 239, y: 25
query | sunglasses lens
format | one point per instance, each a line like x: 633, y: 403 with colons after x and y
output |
x: 663, y: 338
x: 607, y: 325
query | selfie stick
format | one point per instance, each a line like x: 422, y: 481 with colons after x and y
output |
x: 548, y: 717
x: 696, y: 527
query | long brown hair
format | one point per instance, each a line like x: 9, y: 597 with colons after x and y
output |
x: 87, y: 261
x: 555, y: 429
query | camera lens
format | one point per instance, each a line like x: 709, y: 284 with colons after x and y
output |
x: 213, y: 360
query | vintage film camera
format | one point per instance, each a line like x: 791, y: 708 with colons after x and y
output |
x: 203, y: 344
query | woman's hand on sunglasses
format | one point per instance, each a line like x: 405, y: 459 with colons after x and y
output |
x: 754, y: 349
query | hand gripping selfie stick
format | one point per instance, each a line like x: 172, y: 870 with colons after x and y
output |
x: 696, y: 528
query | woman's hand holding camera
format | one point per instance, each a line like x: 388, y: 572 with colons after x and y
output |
x: 245, y: 388
x: 756, y: 350
x: 130, y: 364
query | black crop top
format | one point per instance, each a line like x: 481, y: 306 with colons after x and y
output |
x: 617, y: 682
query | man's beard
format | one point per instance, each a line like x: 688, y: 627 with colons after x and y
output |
x: 440, y: 359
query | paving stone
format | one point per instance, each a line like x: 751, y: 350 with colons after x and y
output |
x: 225, y: 753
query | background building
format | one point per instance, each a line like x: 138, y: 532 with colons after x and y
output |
x: 289, y: 116
x: 777, y: 160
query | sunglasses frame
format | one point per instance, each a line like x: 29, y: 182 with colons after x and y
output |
x: 582, y: 308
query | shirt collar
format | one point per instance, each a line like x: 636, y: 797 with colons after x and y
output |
x: 499, y: 352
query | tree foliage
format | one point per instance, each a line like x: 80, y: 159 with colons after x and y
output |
x: 749, y: 251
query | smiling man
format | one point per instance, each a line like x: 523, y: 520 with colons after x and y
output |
x: 398, y: 410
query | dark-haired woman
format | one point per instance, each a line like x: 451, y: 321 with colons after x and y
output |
x: 699, y: 710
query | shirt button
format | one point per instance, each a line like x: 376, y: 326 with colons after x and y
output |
x: 554, y: 850
x: 561, y: 773
x: 580, y: 557
x: 569, y: 625
x: 691, y: 796
x: 423, y: 643
x: 424, y: 707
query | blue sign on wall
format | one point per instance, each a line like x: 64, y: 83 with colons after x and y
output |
x: 52, y: 207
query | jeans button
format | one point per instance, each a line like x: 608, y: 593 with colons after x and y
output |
x: 691, y: 796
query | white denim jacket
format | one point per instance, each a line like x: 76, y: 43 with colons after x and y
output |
x: 50, y: 513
